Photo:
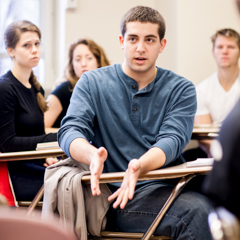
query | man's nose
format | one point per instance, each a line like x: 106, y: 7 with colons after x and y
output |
x: 141, y: 47
x: 225, y: 50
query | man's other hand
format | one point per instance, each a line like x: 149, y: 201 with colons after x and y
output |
x: 126, y: 191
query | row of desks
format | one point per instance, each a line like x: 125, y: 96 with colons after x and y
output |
x: 205, y: 131
x: 199, y: 132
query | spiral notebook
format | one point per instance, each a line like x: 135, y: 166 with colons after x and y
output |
x: 200, y: 162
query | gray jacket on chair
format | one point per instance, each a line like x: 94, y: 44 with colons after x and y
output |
x: 65, y: 195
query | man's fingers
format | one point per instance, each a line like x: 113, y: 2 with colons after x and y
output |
x: 132, y: 186
x: 119, y: 199
x: 95, y: 186
x: 102, y: 152
x: 124, y: 199
x: 114, y: 195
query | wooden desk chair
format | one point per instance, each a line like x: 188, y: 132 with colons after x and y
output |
x: 16, y: 225
x: 181, y: 171
x: 26, y: 155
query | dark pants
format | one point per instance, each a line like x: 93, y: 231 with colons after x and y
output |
x: 193, y: 154
x: 195, y: 184
x: 27, y: 178
x: 187, y: 218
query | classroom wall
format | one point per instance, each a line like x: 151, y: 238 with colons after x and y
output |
x: 190, y: 25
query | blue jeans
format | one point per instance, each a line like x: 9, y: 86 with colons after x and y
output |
x: 186, y: 218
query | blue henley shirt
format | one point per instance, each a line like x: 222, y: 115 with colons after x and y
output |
x: 107, y: 109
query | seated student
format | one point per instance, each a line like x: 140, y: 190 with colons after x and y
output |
x: 139, y: 117
x: 83, y: 55
x: 217, y: 94
x: 222, y: 184
x: 21, y: 108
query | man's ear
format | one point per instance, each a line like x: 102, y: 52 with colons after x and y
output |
x: 10, y: 52
x: 163, y: 44
x: 121, y: 41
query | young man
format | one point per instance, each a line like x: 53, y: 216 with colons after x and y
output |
x: 139, y: 117
x: 217, y: 94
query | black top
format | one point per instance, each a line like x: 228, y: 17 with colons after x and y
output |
x: 21, y: 120
x: 222, y: 184
x: 63, y: 92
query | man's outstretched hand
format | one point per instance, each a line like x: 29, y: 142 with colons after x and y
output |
x: 126, y: 191
x: 96, y: 168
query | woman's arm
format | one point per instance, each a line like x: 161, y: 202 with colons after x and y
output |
x: 55, y: 108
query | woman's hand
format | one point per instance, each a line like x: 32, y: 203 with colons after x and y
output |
x: 50, y: 161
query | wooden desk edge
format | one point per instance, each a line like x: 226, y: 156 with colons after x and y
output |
x: 166, y: 173
x: 26, y: 155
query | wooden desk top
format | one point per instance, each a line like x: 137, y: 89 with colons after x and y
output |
x: 165, y: 173
x: 205, y: 131
x: 27, y: 155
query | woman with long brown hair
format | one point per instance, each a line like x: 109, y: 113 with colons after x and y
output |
x: 22, y: 105
x: 83, y: 55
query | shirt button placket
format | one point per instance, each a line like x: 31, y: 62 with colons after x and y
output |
x: 135, y: 115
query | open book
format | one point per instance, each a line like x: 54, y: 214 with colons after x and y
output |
x: 47, y: 145
x: 200, y: 162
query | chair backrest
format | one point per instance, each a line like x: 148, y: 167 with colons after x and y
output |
x: 15, y: 224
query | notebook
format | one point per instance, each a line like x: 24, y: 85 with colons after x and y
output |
x: 47, y: 145
x: 200, y: 162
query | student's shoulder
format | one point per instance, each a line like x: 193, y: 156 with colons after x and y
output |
x: 8, y: 89
x: 208, y: 82
x: 6, y: 82
x: 100, y: 74
x: 63, y: 90
x: 172, y: 78
x: 111, y: 69
x: 63, y: 86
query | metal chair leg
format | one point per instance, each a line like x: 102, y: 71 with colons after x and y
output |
x: 35, y: 200
x: 177, y: 189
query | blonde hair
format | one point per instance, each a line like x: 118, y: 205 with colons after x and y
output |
x: 97, y: 51
x: 11, y: 37
x: 226, y: 32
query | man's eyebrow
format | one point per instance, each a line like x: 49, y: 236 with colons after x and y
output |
x: 132, y: 35
x: 151, y: 35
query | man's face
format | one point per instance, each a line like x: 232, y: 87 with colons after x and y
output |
x: 141, y: 45
x: 226, y: 52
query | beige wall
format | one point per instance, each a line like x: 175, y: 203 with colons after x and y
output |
x: 190, y: 24
x: 197, y: 21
